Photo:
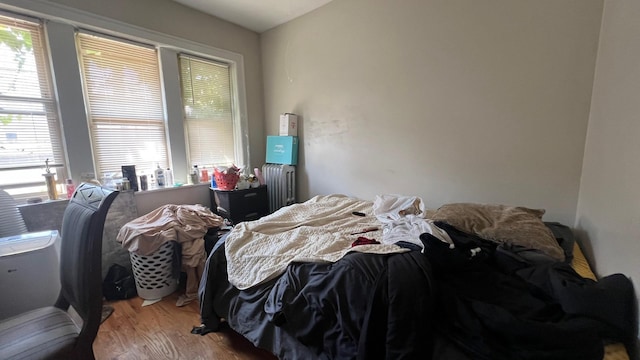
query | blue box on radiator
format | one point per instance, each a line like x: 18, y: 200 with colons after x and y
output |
x: 282, y: 150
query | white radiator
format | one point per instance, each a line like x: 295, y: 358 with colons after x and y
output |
x: 281, y: 185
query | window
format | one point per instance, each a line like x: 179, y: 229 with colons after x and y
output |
x: 139, y: 102
x: 206, y: 96
x: 124, y: 104
x: 29, y: 129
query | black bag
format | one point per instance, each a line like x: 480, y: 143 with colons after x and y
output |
x: 119, y: 284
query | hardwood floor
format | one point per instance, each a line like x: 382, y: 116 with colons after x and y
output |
x: 163, y: 331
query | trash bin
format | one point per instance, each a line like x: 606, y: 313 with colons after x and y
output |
x: 154, y: 273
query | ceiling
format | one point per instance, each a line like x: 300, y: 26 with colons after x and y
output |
x: 257, y: 15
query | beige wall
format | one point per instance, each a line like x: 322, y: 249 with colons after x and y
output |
x: 609, y: 202
x: 172, y: 18
x: 457, y: 100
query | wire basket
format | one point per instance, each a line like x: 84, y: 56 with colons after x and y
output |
x: 226, y: 181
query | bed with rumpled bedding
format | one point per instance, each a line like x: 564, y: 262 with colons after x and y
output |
x: 297, y: 284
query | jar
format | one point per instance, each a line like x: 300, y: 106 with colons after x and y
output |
x: 126, y: 185
x: 243, y: 184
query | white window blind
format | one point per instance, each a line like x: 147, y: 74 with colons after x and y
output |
x: 206, y: 96
x: 29, y: 128
x: 124, y: 101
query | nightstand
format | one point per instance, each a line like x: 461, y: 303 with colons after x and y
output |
x: 240, y: 205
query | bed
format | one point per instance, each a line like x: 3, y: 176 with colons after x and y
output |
x: 339, y: 278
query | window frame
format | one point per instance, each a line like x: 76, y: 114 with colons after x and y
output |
x: 51, y: 112
x: 186, y: 119
x: 82, y: 166
x: 104, y: 115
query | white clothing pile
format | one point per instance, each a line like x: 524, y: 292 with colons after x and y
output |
x: 404, y: 220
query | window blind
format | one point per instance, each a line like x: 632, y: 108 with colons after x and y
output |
x: 206, y: 96
x: 29, y: 126
x: 124, y: 100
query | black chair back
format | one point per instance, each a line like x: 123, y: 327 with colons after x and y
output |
x: 81, y: 257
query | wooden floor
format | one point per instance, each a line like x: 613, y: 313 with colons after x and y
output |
x: 163, y: 331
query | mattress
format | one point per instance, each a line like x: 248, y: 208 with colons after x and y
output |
x: 615, y: 351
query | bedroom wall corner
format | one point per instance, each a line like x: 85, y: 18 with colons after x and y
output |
x: 608, y: 211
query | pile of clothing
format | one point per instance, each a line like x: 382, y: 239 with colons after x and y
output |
x: 185, y: 224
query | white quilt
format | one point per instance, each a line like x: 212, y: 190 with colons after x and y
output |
x: 318, y: 230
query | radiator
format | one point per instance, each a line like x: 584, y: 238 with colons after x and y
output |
x: 281, y: 185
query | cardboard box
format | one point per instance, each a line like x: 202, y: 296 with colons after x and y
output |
x: 288, y: 124
x: 282, y: 150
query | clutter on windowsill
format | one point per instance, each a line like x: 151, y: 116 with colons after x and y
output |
x: 227, y: 177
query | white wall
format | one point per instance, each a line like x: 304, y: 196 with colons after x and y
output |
x: 456, y: 100
x: 609, y: 203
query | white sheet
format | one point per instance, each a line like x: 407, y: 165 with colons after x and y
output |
x: 318, y: 230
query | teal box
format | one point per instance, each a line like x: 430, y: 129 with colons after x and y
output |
x: 282, y: 150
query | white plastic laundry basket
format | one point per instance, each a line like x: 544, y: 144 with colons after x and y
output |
x: 154, y: 273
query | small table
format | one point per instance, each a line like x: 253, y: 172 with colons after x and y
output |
x: 240, y: 205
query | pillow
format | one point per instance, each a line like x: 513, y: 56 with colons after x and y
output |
x: 513, y: 225
x: 565, y: 238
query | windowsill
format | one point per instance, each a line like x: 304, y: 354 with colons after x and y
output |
x: 165, y: 189
x: 42, y: 203
x: 137, y: 193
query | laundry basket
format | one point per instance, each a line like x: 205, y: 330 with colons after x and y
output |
x: 154, y: 273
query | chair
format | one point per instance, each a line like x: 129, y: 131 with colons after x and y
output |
x: 11, y: 221
x: 51, y: 332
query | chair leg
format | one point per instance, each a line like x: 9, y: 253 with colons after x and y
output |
x: 84, y: 353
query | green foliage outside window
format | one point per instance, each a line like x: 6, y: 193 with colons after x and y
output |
x: 20, y: 43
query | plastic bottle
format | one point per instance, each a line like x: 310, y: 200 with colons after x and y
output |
x: 259, y: 176
x: 70, y: 188
x: 144, y: 185
x: 204, y: 175
x: 160, y: 179
x: 195, y: 175
x: 168, y: 177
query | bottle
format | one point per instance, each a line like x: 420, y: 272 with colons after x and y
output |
x: 50, y: 180
x: 143, y: 182
x: 259, y: 176
x: 70, y: 188
x: 160, y: 180
x: 204, y: 175
x: 195, y: 175
x: 168, y: 177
